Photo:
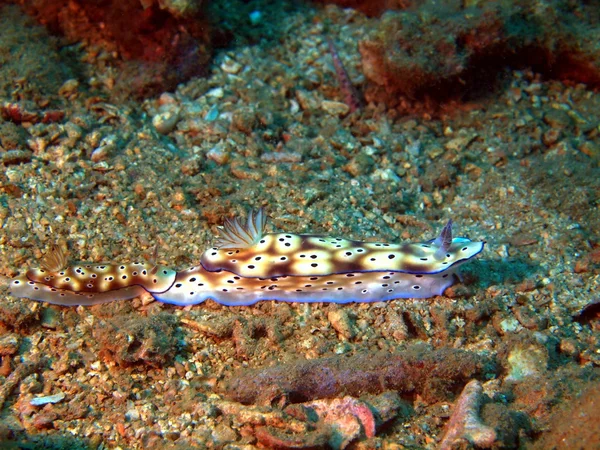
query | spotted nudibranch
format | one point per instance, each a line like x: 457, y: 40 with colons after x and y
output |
x: 247, y: 266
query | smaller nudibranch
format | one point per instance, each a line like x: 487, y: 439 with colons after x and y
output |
x: 248, y: 265
x: 89, y: 284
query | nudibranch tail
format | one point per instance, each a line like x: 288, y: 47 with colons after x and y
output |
x: 249, y: 266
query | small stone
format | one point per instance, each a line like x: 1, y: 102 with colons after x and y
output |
x: 50, y: 318
x: 69, y: 88
x: 306, y: 100
x: 239, y: 171
x: 223, y: 434
x: 166, y: 98
x: 230, y: 66
x: 218, y: 155
x: 515, y: 94
x: 9, y: 344
x: 590, y: 149
x: 509, y: 325
x: 40, y: 401
x: 461, y: 142
x: 558, y: 119
x: 359, y: 165
x: 342, y: 323
x: 74, y: 132
x: 166, y: 121
x: 132, y: 415
x: 212, y: 114
x: 551, y: 137
x: 31, y: 385
x: 16, y: 157
x: 244, y: 120
x: 525, y: 362
x: 191, y: 166
x: 102, y: 166
x: 281, y: 157
x: 569, y: 347
x: 102, y: 153
x: 44, y: 420
x: 181, y: 8
x: 217, y: 92
x: 172, y: 435
x: 465, y: 426
x: 335, y: 108
x: 432, y: 153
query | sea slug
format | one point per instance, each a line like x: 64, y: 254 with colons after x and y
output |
x: 248, y: 265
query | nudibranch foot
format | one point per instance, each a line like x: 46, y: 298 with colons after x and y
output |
x: 196, y: 285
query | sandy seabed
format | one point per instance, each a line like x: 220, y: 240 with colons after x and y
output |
x: 268, y: 127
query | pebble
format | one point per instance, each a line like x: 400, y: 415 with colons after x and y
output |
x: 509, y: 325
x: 9, y: 344
x: 281, y: 157
x: 69, y: 88
x: 212, y: 114
x: 230, y: 66
x: 551, y: 137
x: 432, y: 153
x: 50, y: 318
x: 335, y: 108
x: 16, y: 157
x: 217, y: 92
x: 359, y: 165
x: 166, y: 121
x: 167, y: 98
x: 132, y: 415
x: 39, y: 401
x: 342, y: 323
x: 218, y: 155
x: 461, y: 142
x: 525, y: 362
x: 557, y: 118
x: 101, y: 153
x: 591, y: 149
x: 222, y: 434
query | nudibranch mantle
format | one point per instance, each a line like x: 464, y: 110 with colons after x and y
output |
x: 288, y: 254
x: 247, y: 266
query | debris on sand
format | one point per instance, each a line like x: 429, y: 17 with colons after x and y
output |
x: 430, y: 373
x: 334, y: 423
x: 465, y: 424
